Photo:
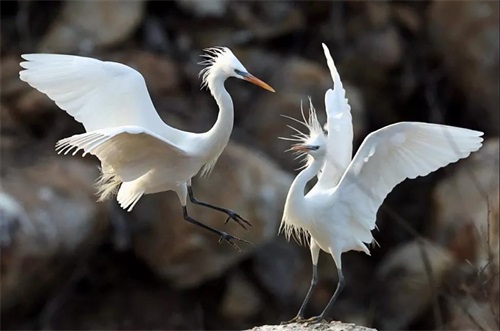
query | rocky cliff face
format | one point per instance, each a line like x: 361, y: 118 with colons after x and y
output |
x: 68, y: 262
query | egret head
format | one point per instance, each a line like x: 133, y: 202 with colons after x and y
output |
x: 221, y: 63
x: 313, y: 144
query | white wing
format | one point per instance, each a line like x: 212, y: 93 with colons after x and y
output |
x: 339, y: 126
x: 131, y: 151
x: 396, y: 152
x: 98, y: 94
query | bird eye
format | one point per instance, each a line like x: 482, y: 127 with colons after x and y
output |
x: 239, y: 72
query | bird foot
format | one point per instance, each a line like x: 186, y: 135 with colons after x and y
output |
x: 231, y: 215
x: 229, y: 239
x: 296, y: 319
x: 314, y: 320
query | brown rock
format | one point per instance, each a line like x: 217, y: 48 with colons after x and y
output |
x: 213, y: 8
x: 382, y: 47
x: 186, y: 255
x: 241, y: 301
x: 467, y: 222
x: 404, y: 289
x: 462, y: 206
x: 161, y: 74
x: 83, y: 26
x: 49, y: 220
x: 9, y: 80
x: 477, y: 66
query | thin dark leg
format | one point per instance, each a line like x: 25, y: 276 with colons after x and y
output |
x: 230, y: 214
x: 314, y: 282
x: 340, y: 287
x: 223, y: 235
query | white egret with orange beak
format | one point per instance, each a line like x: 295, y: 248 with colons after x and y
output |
x: 139, y: 153
x: 338, y: 214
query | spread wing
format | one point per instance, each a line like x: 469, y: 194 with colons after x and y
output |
x: 396, y: 152
x: 340, y: 132
x: 131, y: 151
x: 97, y: 94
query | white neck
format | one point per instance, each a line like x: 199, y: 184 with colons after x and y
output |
x: 295, y: 196
x: 218, y: 136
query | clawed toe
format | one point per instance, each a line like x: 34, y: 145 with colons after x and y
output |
x: 238, y: 219
x: 229, y: 239
x: 314, y: 320
x: 296, y: 319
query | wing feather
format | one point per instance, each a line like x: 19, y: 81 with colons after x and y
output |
x: 98, y: 94
x: 339, y: 126
x: 130, y: 151
x: 392, y: 154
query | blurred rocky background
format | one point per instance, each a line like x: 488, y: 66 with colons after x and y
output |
x: 68, y: 262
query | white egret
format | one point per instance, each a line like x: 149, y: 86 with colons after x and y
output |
x: 338, y: 214
x: 139, y: 153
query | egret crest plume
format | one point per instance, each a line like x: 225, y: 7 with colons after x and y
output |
x: 214, y: 56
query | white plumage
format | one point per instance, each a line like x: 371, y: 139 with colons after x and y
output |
x: 339, y: 212
x: 139, y: 153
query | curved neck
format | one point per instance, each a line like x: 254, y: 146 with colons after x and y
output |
x: 221, y: 131
x: 296, y: 192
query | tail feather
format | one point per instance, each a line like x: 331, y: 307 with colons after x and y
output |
x: 128, y: 196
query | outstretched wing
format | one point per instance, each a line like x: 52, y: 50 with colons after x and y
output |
x: 396, y: 152
x: 131, y: 151
x: 340, y: 132
x: 97, y: 94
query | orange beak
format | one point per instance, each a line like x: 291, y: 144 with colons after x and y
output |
x: 252, y: 79
x: 303, y: 148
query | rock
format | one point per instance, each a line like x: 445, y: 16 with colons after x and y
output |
x: 241, y: 301
x: 33, y: 107
x: 8, y: 128
x: 266, y: 20
x: 467, y: 222
x: 162, y: 74
x: 284, y: 269
x: 407, y: 17
x: 84, y: 26
x: 242, y: 180
x: 403, y: 288
x: 477, y: 66
x: 383, y: 47
x: 49, y: 221
x: 332, y: 326
x: 10, y: 82
x: 462, y: 206
x: 212, y: 8
x: 466, y: 314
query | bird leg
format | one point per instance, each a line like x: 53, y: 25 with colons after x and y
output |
x: 230, y: 214
x: 340, y: 287
x: 223, y: 235
x: 300, y: 315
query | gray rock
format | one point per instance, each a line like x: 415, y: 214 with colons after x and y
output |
x: 48, y: 220
x: 332, y: 326
x: 404, y: 289
x: 86, y: 25
x: 477, y: 66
